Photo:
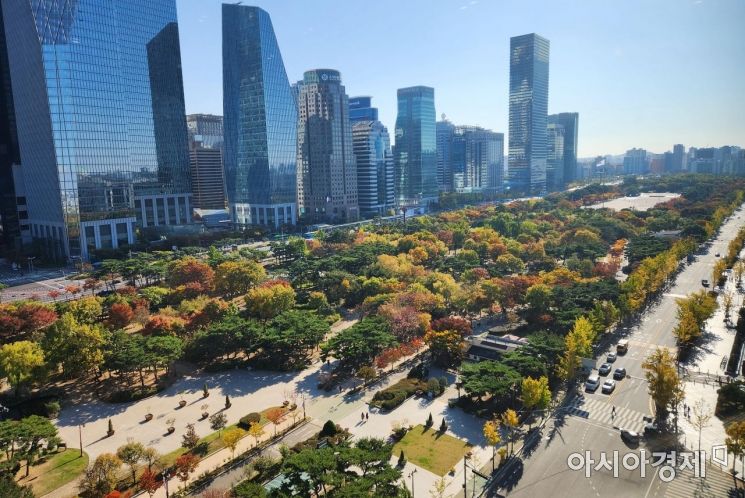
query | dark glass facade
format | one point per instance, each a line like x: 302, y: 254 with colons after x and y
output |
x: 9, y: 222
x: 361, y: 109
x: 445, y: 132
x: 260, y: 121
x: 569, y: 122
x: 415, y: 152
x: 100, y: 115
x: 327, y: 171
x: 555, y: 142
x: 529, y: 57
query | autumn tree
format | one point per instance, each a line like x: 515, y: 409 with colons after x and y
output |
x: 255, y: 430
x: 270, y: 299
x: 19, y: 361
x: 186, y: 464
x: 447, y: 347
x: 233, y: 278
x: 578, y: 344
x: 190, y: 270
x: 511, y: 421
x: 274, y: 415
x: 662, y: 378
x: 735, y: 441
x: 149, y: 482
x: 190, y: 439
x: 76, y: 347
x: 230, y: 439
x: 693, y: 311
x: 120, y: 315
x: 100, y: 478
x: 131, y: 454
x: 536, y: 394
x: 493, y: 437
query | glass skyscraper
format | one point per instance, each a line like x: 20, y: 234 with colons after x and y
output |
x: 415, y: 152
x: 569, y: 122
x: 99, y: 107
x: 529, y: 55
x: 361, y: 109
x: 327, y: 172
x: 372, y: 150
x: 260, y: 120
x: 445, y: 133
x: 9, y: 222
x: 555, y: 143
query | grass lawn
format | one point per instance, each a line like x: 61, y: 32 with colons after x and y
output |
x: 431, y: 450
x: 56, y: 471
x: 211, y: 442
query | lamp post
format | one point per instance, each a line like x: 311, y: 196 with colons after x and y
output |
x: 80, y: 436
x: 166, y: 477
x: 411, y: 475
x: 465, y: 473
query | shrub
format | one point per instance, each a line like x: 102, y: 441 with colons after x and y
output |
x: 443, y: 383
x: 420, y: 371
x: 52, y: 409
x: 251, y: 418
x: 396, y: 394
x: 433, y: 386
x: 329, y: 429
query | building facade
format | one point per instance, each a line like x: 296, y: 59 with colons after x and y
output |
x: 679, y: 158
x: 528, y: 114
x: 555, y: 142
x: 445, y: 134
x: 372, y: 150
x: 99, y: 107
x: 10, y: 223
x: 205, y: 161
x: 361, y: 109
x: 327, y: 172
x: 477, y: 159
x: 415, y: 151
x: 206, y: 129
x: 635, y: 162
x: 260, y: 120
x: 569, y: 121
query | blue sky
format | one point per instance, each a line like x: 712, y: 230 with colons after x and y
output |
x: 641, y: 73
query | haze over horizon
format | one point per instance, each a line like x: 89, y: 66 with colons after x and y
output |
x: 673, y: 75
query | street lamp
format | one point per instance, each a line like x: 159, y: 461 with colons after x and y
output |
x: 411, y: 475
x: 80, y: 436
x: 166, y: 477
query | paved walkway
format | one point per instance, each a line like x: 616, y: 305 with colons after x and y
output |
x: 702, y: 379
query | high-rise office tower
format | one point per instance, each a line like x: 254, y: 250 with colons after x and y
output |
x: 9, y: 222
x: 205, y: 160
x: 529, y: 55
x: 555, y: 141
x: 372, y: 150
x: 361, y: 109
x: 569, y: 121
x: 260, y: 121
x: 206, y: 129
x: 327, y: 176
x: 635, y: 162
x: 445, y: 133
x: 679, y: 159
x: 477, y: 159
x: 99, y: 110
x: 415, y: 152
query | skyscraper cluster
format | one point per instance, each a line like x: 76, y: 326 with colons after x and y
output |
x: 96, y: 149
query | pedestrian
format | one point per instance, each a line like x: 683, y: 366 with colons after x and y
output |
x: 363, y: 416
x: 339, y: 388
x: 367, y: 416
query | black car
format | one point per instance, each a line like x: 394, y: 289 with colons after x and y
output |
x: 619, y: 373
x: 604, y: 369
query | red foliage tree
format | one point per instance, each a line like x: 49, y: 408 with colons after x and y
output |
x: 190, y: 269
x: 456, y: 323
x: 186, y: 464
x: 149, y: 482
x: 120, y: 315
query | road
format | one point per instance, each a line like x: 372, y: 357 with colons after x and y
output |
x: 588, y: 423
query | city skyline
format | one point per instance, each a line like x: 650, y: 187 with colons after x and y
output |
x: 664, y: 105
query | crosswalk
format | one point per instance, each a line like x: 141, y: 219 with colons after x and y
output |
x: 716, y: 484
x: 601, y: 412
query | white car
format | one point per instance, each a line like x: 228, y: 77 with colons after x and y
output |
x: 592, y: 383
x: 608, y: 386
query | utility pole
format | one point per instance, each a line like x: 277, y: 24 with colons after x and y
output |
x: 80, y: 435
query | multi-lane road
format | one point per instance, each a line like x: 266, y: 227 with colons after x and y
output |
x: 588, y: 422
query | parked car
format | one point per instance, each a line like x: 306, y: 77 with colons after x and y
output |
x: 717, y: 255
x: 592, y: 383
x: 609, y: 386
x: 651, y: 428
x: 604, y: 369
x: 705, y: 283
x: 620, y: 373
x: 623, y: 346
x: 630, y: 436
x: 611, y: 357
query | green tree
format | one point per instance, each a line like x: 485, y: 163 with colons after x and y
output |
x: 131, y: 454
x: 290, y: 337
x: 447, y: 347
x: 19, y: 361
x: 76, y: 347
x: 233, y: 278
x: 489, y: 377
x: 100, y: 478
x: 190, y: 439
x: 359, y: 344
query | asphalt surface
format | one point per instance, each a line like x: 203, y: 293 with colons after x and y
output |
x: 589, y: 423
